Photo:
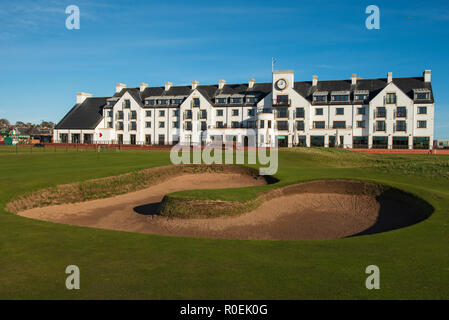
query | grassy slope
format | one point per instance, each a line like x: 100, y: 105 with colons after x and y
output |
x: 414, y: 261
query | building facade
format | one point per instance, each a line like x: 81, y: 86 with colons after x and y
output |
x: 353, y: 113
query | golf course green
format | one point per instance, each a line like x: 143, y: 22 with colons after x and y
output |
x: 413, y: 261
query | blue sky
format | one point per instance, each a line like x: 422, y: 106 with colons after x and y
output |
x: 43, y: 65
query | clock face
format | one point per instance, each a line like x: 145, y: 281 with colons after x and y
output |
x: 281, y: 84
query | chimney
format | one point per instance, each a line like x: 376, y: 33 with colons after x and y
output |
x: 354, y: 79
x: 314, y: 81
x: 251, y: 83
x: 427, y: 75
x: 81, y: 96
x: 143, y: 86
x: 195, y: 84
x: 390, y: 77
x: 168, y: 85
x: 221, y: 84
x: 119, y: 87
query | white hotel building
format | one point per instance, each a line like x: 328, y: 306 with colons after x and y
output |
x: 366, y: 113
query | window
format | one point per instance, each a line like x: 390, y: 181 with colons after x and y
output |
x: 133, y: 125
x: 175, y: 124
x: 361, y: 110
x: 161, y: 113
x: 269, y: 124
x: 175, y: 113
x: 391, y: 98
x: 300, y: 125
x: 147, y: 124
x: 361, y: 124
x: 401, y: 112
x: 380, y: 125
x: 339, y: 124
x: 319, y: 124
x: 360, y: 97
x: 111, y: 103
x: 188, y: 125
x: 262, y: 124
x: 120, y: 115
x: 148, y: 139
x: 401, y: 125
x: 196, y: 102
x: 282, y: 125
x: 282, y: 99
x: 126, y: 104
x: 235, y: 124
x: 177, y: 101
x: 188, y: 114
x: 236, y: 100
x: 203, y: 114
x: 120, y: 125
x: 161, y: 139
x: 299, y: 112
x: 151, y: 102
x: 422, y: 110
x: 203, y: 125
x: 319, y: 111
x: 422, y: 124
x: 161, y: 124
x: 163, y: 101
x: 381, y: 112
x: 340, y: 97
x: 64, y: 137
x: 221, y: 100
x: 251, y: 124
x: 340, y: 111
x: 109, y: 113
x: 109, y: 124
x: 133, y: 115
x: 320, y: 98
x: 282, y: 113
x: 148, y: 113
x: 251, y: 99
x: 219, y: 112
x: 235, y: 112
x: 220, y: 124
x: 422, y: 96
x: 251, y: 112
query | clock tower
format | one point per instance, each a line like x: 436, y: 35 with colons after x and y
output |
x: 283, y: 81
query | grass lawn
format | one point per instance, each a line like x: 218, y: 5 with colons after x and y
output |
x: 413, y: 262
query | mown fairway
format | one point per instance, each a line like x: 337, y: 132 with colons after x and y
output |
x: 414, y: 261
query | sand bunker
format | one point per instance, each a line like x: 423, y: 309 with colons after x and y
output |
x: 314, y: 210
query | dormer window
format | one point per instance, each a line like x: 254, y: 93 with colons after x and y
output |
x: 150, y: 102
x: 360, y: 97
x: 220, y: 100
x: 340, y: 97
x: 422, y: 94
x: 176, y: 101
x: 163, y: 101
x: 111, y: 102
x: 251, y: 99
x: 236, y: 100
x: 320, y: 96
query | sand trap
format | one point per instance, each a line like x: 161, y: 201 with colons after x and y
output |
x: 322, y: 212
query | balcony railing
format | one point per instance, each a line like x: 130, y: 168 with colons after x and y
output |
x: 281, y: 102
x: 331, y: 127
x: 281, y: 115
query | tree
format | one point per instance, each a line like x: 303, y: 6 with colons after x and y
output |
x: 4, y: 122
x: 20, y: 124
x: 47, y: 124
